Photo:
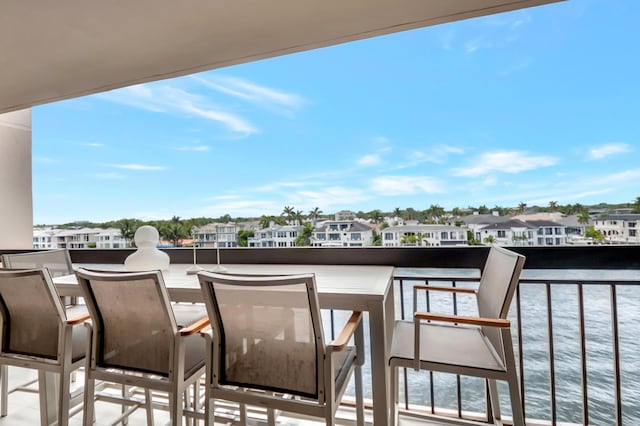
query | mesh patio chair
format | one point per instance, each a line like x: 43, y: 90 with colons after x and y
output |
x: 266, y: 347
x: 57, y: 262
x: 139, y: 338
x: 473, y: 346
x: 38, y: 332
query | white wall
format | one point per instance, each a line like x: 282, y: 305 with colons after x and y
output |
x: 16, y: 205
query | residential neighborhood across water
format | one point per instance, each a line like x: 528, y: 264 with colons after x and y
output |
x: 349, y: 229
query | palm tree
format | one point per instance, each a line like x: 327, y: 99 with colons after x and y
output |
x: 489, y: 239
x: 583, y: 218
x: 636, y: 205
x: 397, y: 212
x: 288, y: 212
x: 375, y: 216
x: 298, y: 217
x: 553, y: 205
x: 522, y: 207
x: 315, y: 214
x: 128, y: 229
x: 265, y: 221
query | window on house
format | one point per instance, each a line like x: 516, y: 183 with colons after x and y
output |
x: 334, y: 237
x: 356, y: 236
x: 502, y: 233
x: 388, y: 236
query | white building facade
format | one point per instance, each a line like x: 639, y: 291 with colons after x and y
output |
x: 275, y: 236
x: 216, y: 235
x: 620, y: 228
x: 423, y: 236
x: 342, y: 233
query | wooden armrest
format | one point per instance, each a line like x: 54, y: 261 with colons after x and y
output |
x: 195, y: 327
x: 207, y: 329
x: 491, y: 322
x: 449, y: 289
x: 77, y: 320
x: 347, y: 331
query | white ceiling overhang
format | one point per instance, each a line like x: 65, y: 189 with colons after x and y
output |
x: 53, y: 50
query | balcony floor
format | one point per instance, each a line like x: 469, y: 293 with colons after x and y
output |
x: 24, y: 409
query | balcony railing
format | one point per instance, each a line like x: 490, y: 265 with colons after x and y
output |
x: 574, y: 341
x: 574, y: 322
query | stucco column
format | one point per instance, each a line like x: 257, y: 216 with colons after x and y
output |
x: 16, y: 204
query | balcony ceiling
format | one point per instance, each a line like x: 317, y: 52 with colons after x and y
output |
x: 53, y: 50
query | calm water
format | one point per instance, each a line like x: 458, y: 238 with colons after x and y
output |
x: 600, y: 379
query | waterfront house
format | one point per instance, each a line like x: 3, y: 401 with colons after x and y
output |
x: 275, y: 236
x: 423, y: 235
x: 216, y: 235
x: 619, y: 228
x: 342, y: 233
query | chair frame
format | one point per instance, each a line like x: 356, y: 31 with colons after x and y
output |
x: 504, y: 349
x: 328, y: 398
x: 62, y: 364
x: 174, y: 383
x: 8, y: 259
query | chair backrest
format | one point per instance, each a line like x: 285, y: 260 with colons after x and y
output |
x: 31, y: 313
x: 134, y: 327
x: 268, y: 332
x: 58, y: 261
x: 498, y: 283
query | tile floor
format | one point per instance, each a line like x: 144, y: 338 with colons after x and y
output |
x: 24, y: 409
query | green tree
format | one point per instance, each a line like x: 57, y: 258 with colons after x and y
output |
x: 174, y: 231
x: 636, y: 205
x: 377, y: 238
x: 583, y: 218
x: 304, y: 236
x: 434, y: 213
x: 522, y: 207
x: 594, y: 233
x: 489, y: 239
x: 553, y: 205
x: 298, y: 217
x: 409, y: 240
x: 375, y: 216
x: 243, y: 237
x: 288, y: 212
x: 128, y: 229
x: 315, y: 214
x: 397, y: 212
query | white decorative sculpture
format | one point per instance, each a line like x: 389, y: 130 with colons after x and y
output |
x: 147, y: 257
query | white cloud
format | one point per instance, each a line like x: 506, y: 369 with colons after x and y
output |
x: 628, y: 176
x: 437, y: 155
x: 327, y: 197
x: 406, y: 185
x: 252, y: 92
x: 93, y: 144
x: 603, y: 151
x: 168, y: 99
x: 139, y: 167
x: 370, y: 160
x: 506, y: 162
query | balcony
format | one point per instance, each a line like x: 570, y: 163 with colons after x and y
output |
x: 573, y: 319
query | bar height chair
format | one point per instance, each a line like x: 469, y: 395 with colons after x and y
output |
x: 473, y: 346
x: 138, y: 338
x: 266, y: 347
x: 38, y: 332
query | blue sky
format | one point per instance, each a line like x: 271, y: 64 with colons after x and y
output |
x: 530, y: 106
